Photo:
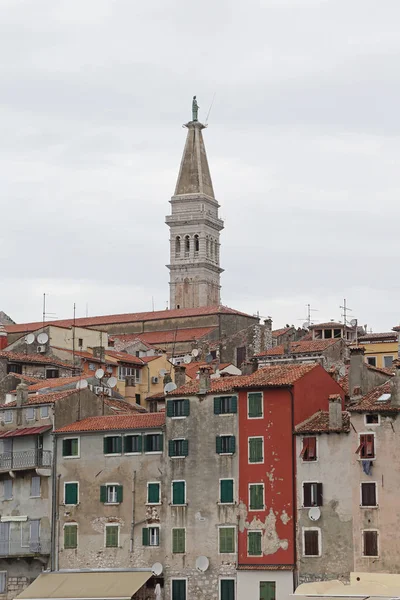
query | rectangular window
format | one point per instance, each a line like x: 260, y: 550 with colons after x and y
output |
x: 178, y: 492
x: 35, y: 486
x: 178, y: 448
x: 224, y: 405
x: 227, y: 589
x: 226, y: 543
x: 153, y: 493
x: 240, y: 356
x: 133, y: 444
x: 387, y: 361
x: 80, y: 342
x: 178, y: 540
x: 111, y: 493
x: 129, y: 372
x: 371, y: 360
x: 225, y: 444
x: 112, y: 536
x: 178, y: 408
x: 370, y: 543
x: 267, y: 590
x: 3, y: 582
x: 70, y: 536
x: 226, y: 491
x: 153, y: 442
x: 311, y: 542
x: 71, y: 493
x: 309, y: 450
x: 112, y: 444
x: 178, y: 589
x: 256, y: 496
x: 254, y: 539
x: 8, y: 416
x: 372, y: 419
x: 8, y: 489
x: 70, y: 447
x: 368, y: 494
x: 52, y: 373
x: 30, y: 413
x: 255, y: 405
x: 366, y: 449
x: 312, y: 494
x: 151, y: 536
x: 44, y: 412
x: 256, y: 450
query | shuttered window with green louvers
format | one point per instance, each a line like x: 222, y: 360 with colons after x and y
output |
x: 178, y: 589
x: 225, y: 444
x: 254, y: 543
x: 227, y: 589
x: 178, y: 540
x: 227, y: 540
x: 267, y: 590
x: 256, y: 492
x: 178, y: 408
x: 255, y: 409
x: 153, y: 493
x: 256, y: 450
x: 71, y: 493
x: 226, y: 491
x: 224, y: 405
x: 178, y: 448
x: 112, y: 444
x: 132, y: 443
x: 70, y: 536
x: 178, y: 492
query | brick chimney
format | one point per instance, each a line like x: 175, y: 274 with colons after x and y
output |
x: 357, y: 372
x: 335, y: 412
x: 22, y: 394
x: 99, y: 352
x: 180, y: 375
x: 249, y: 367
x: 395, y: 385
x: 204, y: 379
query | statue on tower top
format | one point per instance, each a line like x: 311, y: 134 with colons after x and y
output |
x: 195, y: 109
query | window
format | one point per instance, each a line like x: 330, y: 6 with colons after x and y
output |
x: 44, y: 412
x: 254, y: 539
x: 226, y: 491
x: 328, y: 334
x: 178, y: 493
x: 256, y: 450
x: 178, y: 448
x: 312, y: 494
x: 70, y: 447
x: 30, y: 413
x: 132, y: 444
x: 35, y: 486
x: 80, y: 342
x: 8, y: 489
x: 8, y: 416
x: 178, y: 589
x: 3, y: 582
x: 177, y: 246
x: 240, y: 356
x: 309, y: 450
x: 137, y: 398
x: 187, y: 246
x: 153, y: 442
x: 151, y: 536
x: 370, y: 543
x: 227, y: 589
x: 256, y: 496
x: 226, y: 540
x: 52, y: 373
x: 178, y: 408
x: 70, y: 536
x: 129, y: 372
x: 179, y: 540
x: 153, y: 406
x: 196, y: 244
x: 372, y: 419
x: 92, y: 367
x: 311, y: 542
x: 71, y: 493
x: 225, y: 444
x: 387, y: 361
x: 112, y: 536
x: 111, y: 493
x: 366, y: 449
x: 224, y: 405
x: 153, y: 493
x: 267, y: 590
x: 371, y: 360
x: 112, y: 444
x: 255, y: 405
x: 368, y: 494
x: 337, y: 333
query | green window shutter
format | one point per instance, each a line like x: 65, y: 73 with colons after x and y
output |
x: 227, y: 539
x: 145, y: 536
x: 112, y: 536
x: 226, y: 490
x: 103, y: 493
x: 218, y: 444
x: 128, y: 443
x: 65, y: 448
x: 118, y: 445
x: 74, y: 447
x: 178, y: 541
x: 140, y: 443
x: 255, y: 404
x: 232, y: 444
x: 171, y: 448
x: 185, y: 447
x: 234, y: 410
x: 120, y: 493
x: 71, y: 493
x: 186, y: 407
x: 256, y: 497
x: 170, y: 408
x: 227, y: 589
x: 217, y: 406
x: 178, y: 589
x: 105, y: 445
x: 254, y: 543
x: 161, y: 442
x: 178, y: 492
x: 70, y: 536
x: 267, y: 590
x: 153, y: 493
x: 255, y: 450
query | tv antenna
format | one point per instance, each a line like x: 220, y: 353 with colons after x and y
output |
x: 308, y: 321
x: 209, y: 110
x: 345, y: 310
x: 46, y: 314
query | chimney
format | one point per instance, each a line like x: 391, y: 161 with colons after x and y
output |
x: 204, y: 379
x: 286, y: 344
x: 22, y: 394
x: 395, y: 385
x: 335, y: 412
x: 249, y: 367
x: 99, y: 352
x: 180, y: 375
x: 356, y: 371
x: 268, y: 323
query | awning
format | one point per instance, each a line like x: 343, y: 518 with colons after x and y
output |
x: 25, y: 431
x: 93, y: 585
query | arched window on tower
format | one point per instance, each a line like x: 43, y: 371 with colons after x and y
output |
x: 216, y: 251
x: 187, y: 246
x: 196, y: 244
x: 207, y: 247
x: 212, y: 249
x: 177, y: 246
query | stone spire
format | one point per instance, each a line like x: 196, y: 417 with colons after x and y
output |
x: 194, y: 228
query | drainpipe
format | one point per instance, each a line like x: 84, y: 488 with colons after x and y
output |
x: 53, y: 505
x: 294, y: 502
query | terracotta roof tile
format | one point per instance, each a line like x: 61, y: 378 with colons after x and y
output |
x: 147, y: 359
x: 33, y: 358
x: 158, y: 338
x: 55, y: 382
x: 42, y: 398
x: 116, y: 422
x: 124, y: 357
x: 388, y: 335
x: 278, y: 332
x: 26, y: 378
x: 319, y: 423
x: 370, y: 402
x: 120, y: 406
x: 25, y: 431
x: 334, y: 324
x: 300, y: 347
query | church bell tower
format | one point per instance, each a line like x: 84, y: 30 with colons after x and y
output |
x: 194, y: 227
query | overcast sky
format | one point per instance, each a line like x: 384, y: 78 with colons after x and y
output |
x: 303, y: 144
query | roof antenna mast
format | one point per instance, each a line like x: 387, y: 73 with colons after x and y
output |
x: 211, y: 105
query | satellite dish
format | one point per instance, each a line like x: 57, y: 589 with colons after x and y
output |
x: 305, y: 325
x: 195, y: 352
x: 353, y: 322
x: 43, y: 338
x: 187, y: 359
x: 314, y: 513
x: 163, y: 372
x: 99, y: 373
x: 342, y: 371
x: 209, y: 358
x: 81, y: 384
x: 30, y: 338
x: 112, y: 382
x: 202, y: 563
x: 157, y: 569
x: 170, y: 387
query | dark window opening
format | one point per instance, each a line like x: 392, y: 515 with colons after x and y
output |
x: 370, y: 543
x: 153, y: 442
x: 371, y: 360
x: 312, y: 494
x: 137, y: 398
x: 80, y: 342
x: 240, y: 356
x: 309, y: 451
x: 178, y: 447
x: 366, y: 449
x: 13, y: 368
x: 311, y: 542
x: 368, y: 494
x: 178, y: 246
x: 113, y: 444
x: 187, y: 245
x: 196, y: 243
x: 337, y: 333
x: 153, y: 406
x: 225, y: 444
x: 372, y: 419
x: 328, y: 334
x: 52, y: 373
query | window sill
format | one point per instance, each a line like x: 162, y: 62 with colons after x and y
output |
x: 226, y: 453
x: 311, y: 555
x: 35, y: 497
x: 111, y: 503
x: 69, y: 457
x: 178, y: 505
x: 226, y: 503
x: 154, y: 452
x: 153, y: 504
x: 252, y: 418
x: 313, y: 460
x: 113, y: 454
x: 179, y: 417
x: 177, y: 456
x: 257, y: 509
x: 370, y: 459
x: 369, y: 507
x: 256, y: 462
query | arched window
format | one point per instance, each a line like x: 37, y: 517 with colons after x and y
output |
x: 216, y: 250
x: 177, y: 246
x: 187, y: 245
x: 212, y: 249
x: 196, y: 244
x: 207, y: 247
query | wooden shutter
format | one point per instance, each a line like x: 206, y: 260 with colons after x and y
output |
x: 226, y: 490
x: 170, y: 408
x: 186, y: 407
x: 319, y: 494
x: 65, y: 449
x: 185, y: 447
x: 145, y: 536
x: 218, y: 444
x: 311, y: 543
x: 369, y: 447
x: 178, y: 541
x: 368, y: 494
x: 255, y: 404
x: 370, y: 543
x: 254, y: 543
x: 118, y: 445
x: 217, y: 407
x: 304, y: 450
x: 178, y: 492
x: 307, y: 494
x: 105, y: 445
x: 153, y: 493
x: 267, y: 590
x: 160, y: 442
x: 171, y: 448
x: 128, y: 443
x: 178, y: 589
x: 232, y: 444
x: 103, y: 493
x: 234, y: 404
x: 227, y: 589
x: 70, y: 536
x: 120, y: 493
x: 312, y: 448
x: 71, y: 493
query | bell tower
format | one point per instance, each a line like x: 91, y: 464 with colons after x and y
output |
x: 194, y: 227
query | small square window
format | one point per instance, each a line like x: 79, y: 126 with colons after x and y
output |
x: 366, y: 448
x: 227, y: 540
x: 225, y: 405
x: 371, y: 360
x: 254, y: 539
x: 370, y: 543
x: 368, y: 494
x: 387, y: 361
x: 70, y: 536
x: 112, y: 536
x: 309, y: 450
x: 372, y: 419
x: 111, y: 493
x: 225, y: 444
x: 70, y: 447
x: 44, y: 412
x: 178, y: 408
x: 112, y: 444
x: 311, y: 542
x: 153, y: 442
x: 132, y: 444
x: 255, y: 405
x: 178, y: 447
x: 8, y: 416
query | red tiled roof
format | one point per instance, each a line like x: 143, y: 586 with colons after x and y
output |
x: 121, y: 406
x: 129, y: 318
x: 116, y: 422
x: 154, y: 338
x: 300, y: 347
x: 116, y: 356
x: 25, y: 431
x: 369, y: 402
x: 42, y: 398
x: 125, y: 357
x: 334, y: 324
x: 278, y: 332
x: 388, y: 335
x: 33, y: 358
x: 26, y: 378
x: 53, y: 383
x: 319, y: 423
x: 193, y: 368
x: 148, y: 359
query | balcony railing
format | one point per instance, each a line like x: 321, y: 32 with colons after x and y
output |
x: 8, y: 548
x: 27, y: 459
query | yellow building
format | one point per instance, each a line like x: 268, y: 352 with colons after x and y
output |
x: 380, y: 348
